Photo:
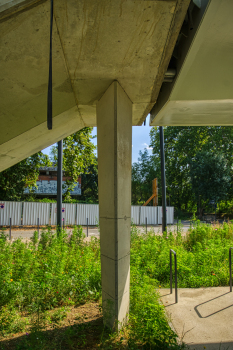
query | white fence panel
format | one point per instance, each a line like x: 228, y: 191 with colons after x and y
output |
x: 68, y: 213
x: 11, y: 210
x: 32, y: 211
x: 170, y: 215
x: 160, y: 213
x: 151, y: 214
x: 54, y: 214
x: 90, y: 211
x: 135, y: 214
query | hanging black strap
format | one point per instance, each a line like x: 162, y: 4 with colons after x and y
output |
x: 50, y: 105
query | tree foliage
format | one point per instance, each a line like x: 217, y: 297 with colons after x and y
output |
x: 78, y: 156
x: 182, y: 145
x: 210, y: 176
x: 143, y: 172
x: 24, y: 174
x: 90, y: 184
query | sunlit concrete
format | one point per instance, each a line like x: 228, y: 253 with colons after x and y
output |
x: 114, y: 137
x: 202, y: 318
x: 202, y: 91
x: 94, y: 43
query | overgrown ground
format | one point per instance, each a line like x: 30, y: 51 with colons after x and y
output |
x: 50, y: 290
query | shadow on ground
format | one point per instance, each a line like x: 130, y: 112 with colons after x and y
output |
x: 85, y: 335
x: 212, y: 346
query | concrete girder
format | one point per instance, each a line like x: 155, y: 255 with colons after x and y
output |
x: 94, y: 43
x: 30, y: 141
x: 201, y: 93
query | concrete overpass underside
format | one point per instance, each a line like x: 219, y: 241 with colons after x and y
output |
x: 201, y: 92
x: 114, y: 61
x: 94, y: 44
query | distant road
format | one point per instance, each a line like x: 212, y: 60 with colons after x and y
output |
x: 27, y: 233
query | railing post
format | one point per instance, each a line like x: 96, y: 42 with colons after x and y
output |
x: 230, y: 268
x: 176, y: 293
x: 175, y: 260
x: 170, y: 272
x: 146, y: 224
x: 10, y: 230
x: 38, y: 226
x: 87, y: 227
x: 63, y: 223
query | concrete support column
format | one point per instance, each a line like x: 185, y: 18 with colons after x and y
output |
x: 114, y: 137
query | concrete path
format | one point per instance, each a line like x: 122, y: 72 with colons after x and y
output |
x: 203, y: 317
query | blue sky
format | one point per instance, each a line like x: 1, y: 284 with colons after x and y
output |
x: 140, y: 140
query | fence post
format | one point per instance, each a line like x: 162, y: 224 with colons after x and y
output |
x: 10, y: 230
x: 176, y: 292
x: 87, y: 227
x: 63, y: 223
x: 146, y: 224
x: 177, y: 224
x: 230, y: 268
x: 38, y: 226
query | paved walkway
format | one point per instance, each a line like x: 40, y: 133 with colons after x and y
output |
x: 203, y: 317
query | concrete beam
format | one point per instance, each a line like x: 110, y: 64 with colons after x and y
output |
x: 11, y: 7
x: 94, y: 44
x: 201, y: 93
x: 114, y: 137
x: 39, y: 137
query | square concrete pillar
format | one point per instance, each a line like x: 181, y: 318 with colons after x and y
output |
x: 114, y: 138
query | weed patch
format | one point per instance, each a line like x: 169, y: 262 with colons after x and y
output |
x: 48, y: 285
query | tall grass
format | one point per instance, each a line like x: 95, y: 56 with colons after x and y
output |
x: 58, y: 272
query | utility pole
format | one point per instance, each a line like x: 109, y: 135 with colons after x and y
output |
x: 163, y: 180
x: 59, y: 185
x: 199, y: 207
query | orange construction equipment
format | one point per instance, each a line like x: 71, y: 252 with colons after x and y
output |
x: 154, y: 195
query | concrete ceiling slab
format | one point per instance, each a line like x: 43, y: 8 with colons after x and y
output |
x: 202, y: 92
x: 94, y: 43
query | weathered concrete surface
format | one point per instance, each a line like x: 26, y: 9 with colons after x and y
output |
x: 202, y: 317
x: 94, y: 43
x: 202, y: 91
x: 114, y: 139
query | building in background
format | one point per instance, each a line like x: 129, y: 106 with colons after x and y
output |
x: 47, y: 183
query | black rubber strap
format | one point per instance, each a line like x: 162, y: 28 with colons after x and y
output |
x: 50, y: 104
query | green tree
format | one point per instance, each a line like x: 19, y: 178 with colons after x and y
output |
x: 90, y: 184
x: 143, y: 172
x: 15, y: 179
x: 210, y: 176
x: 78, y: 156
x: 181, y: 145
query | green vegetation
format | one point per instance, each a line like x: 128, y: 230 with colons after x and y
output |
x: 208, y: 149
x: 24, y: 174
x: 202, y: 256
x: 46, y: 281
x: 78, y: 158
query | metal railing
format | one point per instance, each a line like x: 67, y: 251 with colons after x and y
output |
x: 175, y: 260
x: 230, y: 268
